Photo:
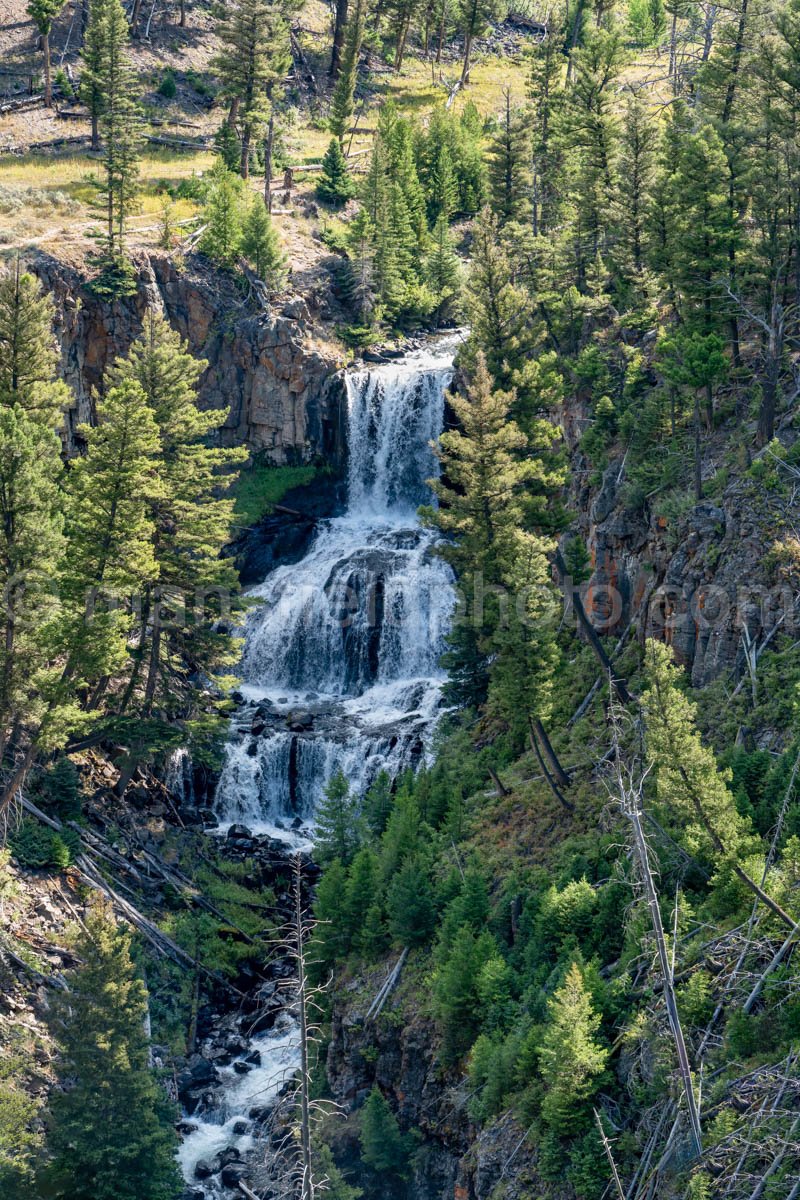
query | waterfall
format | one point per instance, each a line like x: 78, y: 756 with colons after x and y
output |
x: 341, y: 650
x: 340, y: 670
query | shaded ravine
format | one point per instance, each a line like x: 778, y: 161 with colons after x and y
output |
x: 339, y: 671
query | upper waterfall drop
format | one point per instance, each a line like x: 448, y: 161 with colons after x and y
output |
x: 340, y: 665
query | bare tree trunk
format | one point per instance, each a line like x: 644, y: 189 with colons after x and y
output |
x: 559, y: 774
x: 48, y: 80
x: 307, y: 1189
x: 630, y: 788
x: 618, y: 684
x: 467, y: 53
x: 551, y: 783
x: 502, y: 790
x: 440, y: 39
x: 698, y: 450
x: 268, y: 147
x: 339, y: 28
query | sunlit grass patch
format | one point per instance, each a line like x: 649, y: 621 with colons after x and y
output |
x: 262, y: 486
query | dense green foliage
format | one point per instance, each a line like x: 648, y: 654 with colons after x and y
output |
x: 109, y: 1131
x: 115, y: 561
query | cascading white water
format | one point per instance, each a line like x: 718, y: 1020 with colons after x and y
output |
x: 340, y: 666
x: 340, y: 670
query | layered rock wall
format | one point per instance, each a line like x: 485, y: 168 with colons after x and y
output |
x: 283, y: 394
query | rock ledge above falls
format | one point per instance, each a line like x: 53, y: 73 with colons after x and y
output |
x: 282, y: 387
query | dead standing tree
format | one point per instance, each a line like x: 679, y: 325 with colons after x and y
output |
x: 290, y: 1173
x: 629, y: 777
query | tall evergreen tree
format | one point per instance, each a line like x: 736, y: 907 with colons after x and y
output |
x: 92, y: 54
x: 28, y: 355
x: 253, y: 54
x: 31, y: 540
x: 546, y: 93
x: 638, y: 142
x: 338, y: 822
x: 192, y: 517
x: 483, y: 477
x: 571, y: 1059
x: 120, y: 122
x: 343, y: 101
x: 590, y: 130
x: 510, y: 163
x: 384, y: 1149
x: 43, y: 13
x: 442, y: 272
x: 110, y: 1133
x: 111, y: 492
x: 222, y: 236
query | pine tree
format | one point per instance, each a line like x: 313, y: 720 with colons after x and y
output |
x: 571, y: 1060
x: 28, y: 355
x: 110, y: 529
x: 110, y: 1132
x: 473, y: 18
x: 442, y: 186
x: 398, y: 135
x: 546, y: 94
x: 222, y: 236
x: 590, y: 130
x: 343, y: 100
x: 638, y: 141
x: 360, y: 245
x: 330, y: 941
x: 360, y: 894
x: 192, y: 516
x: 503, y: 325
x: 456, y: 999
x: 92, y: 54
x: 120, y: 122
x: 378, y: 803
x: 335, y: 185
x: 338, y: 822
x: 442, y: 272
x: 254, y: 55
x: 384, y: 1149
x: 43, y: 13
x: 31, y: 540
x: 690, y: 785
x: 701, y: 229
x: 526, y: 653
x: 261, y: 244
x: 510, y: 164
x: 483, y: 478
x: 409, y: 904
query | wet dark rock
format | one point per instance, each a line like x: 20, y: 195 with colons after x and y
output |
x: 239, y: 831
x: 233, y: 1174
x: 203, y: 1170
x: 242, y: 1068
x: 240, y: 1128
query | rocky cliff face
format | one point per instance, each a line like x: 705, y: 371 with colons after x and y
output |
x: 284, y: 394
x: 694, y: 576
x: 396, y: 1051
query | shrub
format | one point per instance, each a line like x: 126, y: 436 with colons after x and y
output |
x: 34, y: 845
x: 167, y: 88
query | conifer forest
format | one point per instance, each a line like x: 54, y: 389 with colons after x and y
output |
x: 400, y: 600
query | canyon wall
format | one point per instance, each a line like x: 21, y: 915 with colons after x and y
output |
x: 281, y: 387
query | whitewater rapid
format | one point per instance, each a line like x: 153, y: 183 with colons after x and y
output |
x: 340, y: 668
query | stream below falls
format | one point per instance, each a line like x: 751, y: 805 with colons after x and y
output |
x: 339, y: 671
